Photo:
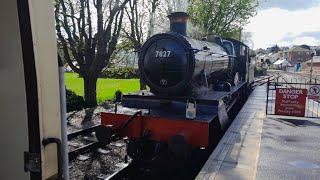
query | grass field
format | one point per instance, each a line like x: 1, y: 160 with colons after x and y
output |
x: 105, y: 87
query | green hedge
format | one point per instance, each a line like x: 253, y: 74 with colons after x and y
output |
x: 74, y: 102
x: 120, y: 73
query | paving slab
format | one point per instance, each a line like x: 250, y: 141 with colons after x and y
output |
x: 262, y: 147
x: 290, y: 149
x: 236, y: 155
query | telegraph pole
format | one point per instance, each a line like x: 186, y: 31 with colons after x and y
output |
x: 312, y: 55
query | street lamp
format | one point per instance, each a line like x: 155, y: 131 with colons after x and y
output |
x: 312, y: 55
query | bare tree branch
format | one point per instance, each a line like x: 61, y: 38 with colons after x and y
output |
x: 79, y: 40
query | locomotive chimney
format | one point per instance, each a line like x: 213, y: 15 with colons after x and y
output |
x: 178, y: 22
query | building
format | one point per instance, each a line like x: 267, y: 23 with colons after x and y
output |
x: 296, y: 54
x: 315, y: 65
x: 275, y: 56
x: 281, y: 64
x: 263, y: 57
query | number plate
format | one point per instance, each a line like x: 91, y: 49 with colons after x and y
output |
x: 163, y: 54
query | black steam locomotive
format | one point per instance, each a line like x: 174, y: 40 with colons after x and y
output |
x: 172, y: 63
x: 194, y: 86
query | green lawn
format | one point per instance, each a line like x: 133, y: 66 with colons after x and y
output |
x: 105, y: 87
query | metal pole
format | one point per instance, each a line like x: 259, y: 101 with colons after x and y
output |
x: 268, y: 83
x: 311, y: 70
x: 312, y: 55
x: 63, y: 109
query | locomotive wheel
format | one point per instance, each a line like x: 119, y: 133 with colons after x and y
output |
x: 179, y: 147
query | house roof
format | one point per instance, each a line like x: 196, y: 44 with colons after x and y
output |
x: 298, y: 49
x: 316, y: 59
x: 277, y: 54
x: 282, y: 61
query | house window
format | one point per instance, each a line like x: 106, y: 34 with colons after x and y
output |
x: 300, y: 53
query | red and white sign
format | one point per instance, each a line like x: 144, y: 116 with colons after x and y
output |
x: 314, y: 92
x: 290, y: 102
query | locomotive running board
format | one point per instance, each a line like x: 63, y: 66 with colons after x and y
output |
x: 147, y: 100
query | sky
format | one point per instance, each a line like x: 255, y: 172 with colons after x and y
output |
x: 285, y: 23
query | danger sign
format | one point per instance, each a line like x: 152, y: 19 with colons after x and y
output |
x: 290, y: 102
x: 314, y: 92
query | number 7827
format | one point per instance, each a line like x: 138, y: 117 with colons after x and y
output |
x: 163, y: 54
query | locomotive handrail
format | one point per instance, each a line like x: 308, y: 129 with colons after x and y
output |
x: 223, y: 55
x: 198, y: 50
x: 130, y: 120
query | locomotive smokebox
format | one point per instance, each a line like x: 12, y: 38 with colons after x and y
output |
x: 178, y: 22
x: 173, y: 64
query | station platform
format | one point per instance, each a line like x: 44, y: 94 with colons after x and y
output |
x: 259, y: 147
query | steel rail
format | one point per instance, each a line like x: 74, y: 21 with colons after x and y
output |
x: 93, y: 145
x: 81, y: 132
x: 88, y: 147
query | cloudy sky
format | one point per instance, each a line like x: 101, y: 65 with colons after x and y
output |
x: 286, y: 23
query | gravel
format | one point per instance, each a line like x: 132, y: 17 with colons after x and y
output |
x: 101, y: 162
x: 86, y: 118
x: 98, y: 163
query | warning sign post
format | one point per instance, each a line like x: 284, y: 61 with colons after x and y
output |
x: 314, y: 92
x: 290, y: 101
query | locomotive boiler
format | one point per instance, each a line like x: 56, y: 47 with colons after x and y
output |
x: 171, y: 63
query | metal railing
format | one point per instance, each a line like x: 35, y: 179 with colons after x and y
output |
x: 280, y: 83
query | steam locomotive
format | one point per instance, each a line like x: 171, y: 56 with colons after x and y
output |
x: 194, y: 85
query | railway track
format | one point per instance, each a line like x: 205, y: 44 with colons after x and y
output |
x: 89, y: 159
x: 123, y: 173
x: 91, y: 144
x: 262, y: 81
x: 304, y: 77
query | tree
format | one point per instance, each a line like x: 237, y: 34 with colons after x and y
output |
x: 275, y: 49
x: 140, y: 16
x: 222, y: 17
x: 176, y: 5
x: 305, y: 46
x: 90, y: 44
